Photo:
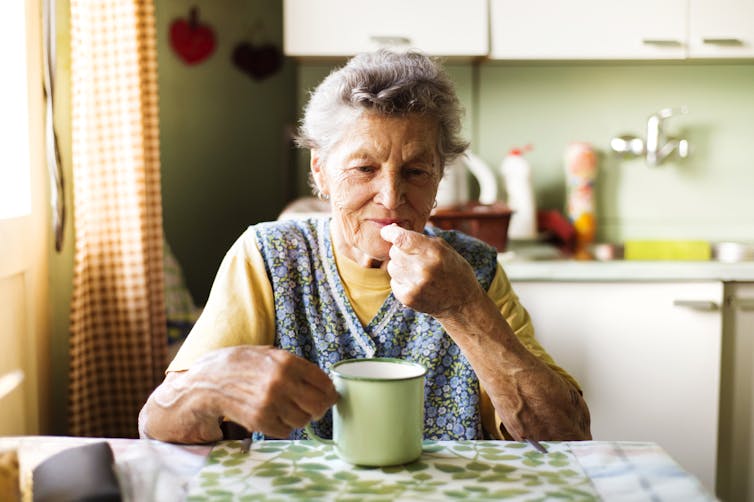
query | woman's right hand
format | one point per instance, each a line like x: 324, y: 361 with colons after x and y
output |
x: 258, y: 387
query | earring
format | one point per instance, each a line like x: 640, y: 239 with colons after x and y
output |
x: 323, y: 196
x: 435, y: 204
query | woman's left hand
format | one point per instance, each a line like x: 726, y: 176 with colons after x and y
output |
x: 427, y: 274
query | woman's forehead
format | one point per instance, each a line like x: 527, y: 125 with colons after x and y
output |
x: 372, y: 135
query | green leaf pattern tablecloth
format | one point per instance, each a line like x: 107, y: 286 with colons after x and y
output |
x: 453, y: 470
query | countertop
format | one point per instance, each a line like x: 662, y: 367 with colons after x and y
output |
x: 542, y: 264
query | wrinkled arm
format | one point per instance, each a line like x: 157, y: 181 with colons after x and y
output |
x: 258, y: 387
x: 171, y: 414
x: 532, y: 400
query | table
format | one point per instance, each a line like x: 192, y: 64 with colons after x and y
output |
x: 447, y: 470
x: 146, y: 470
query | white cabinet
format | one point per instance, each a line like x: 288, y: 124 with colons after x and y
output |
x: 647, y: 355
x: 587, y: 29
x: 513, y: 30
x: 614, y: 29
x: 336, y: 28
x: 736, y: 460
x: 721, y: 29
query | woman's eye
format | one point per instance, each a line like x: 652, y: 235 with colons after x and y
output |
x: 365, y: 169
x: 414, y: 172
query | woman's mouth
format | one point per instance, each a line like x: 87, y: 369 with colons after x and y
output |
x: 383, y: 222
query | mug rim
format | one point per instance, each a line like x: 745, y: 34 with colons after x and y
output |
x: 394, y: 360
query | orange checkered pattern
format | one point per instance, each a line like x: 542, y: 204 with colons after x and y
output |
x: 118, y: 328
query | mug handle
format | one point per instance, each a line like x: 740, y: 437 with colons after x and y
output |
x: 316, y: 437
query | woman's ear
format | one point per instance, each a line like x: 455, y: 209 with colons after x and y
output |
x: 317, y: 167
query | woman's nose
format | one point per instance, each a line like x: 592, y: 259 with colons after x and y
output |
x: 390, y: 191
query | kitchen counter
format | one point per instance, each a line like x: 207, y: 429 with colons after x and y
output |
x: 525, y: 269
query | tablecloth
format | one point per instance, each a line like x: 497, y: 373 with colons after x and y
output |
x: 448, y: 470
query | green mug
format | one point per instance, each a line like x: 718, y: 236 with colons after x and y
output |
x: 379, y: 417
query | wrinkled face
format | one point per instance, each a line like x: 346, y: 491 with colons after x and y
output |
x: 383, y: 170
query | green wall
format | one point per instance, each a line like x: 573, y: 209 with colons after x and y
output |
x: 551, y: 104
x: 61, y: 263
x: 224, y: 152
x: 707, y: 196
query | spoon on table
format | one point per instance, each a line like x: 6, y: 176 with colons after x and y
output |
x: 537, y: 445
x: 246, y: 445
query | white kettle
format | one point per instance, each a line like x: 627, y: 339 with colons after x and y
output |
x: 454, y: 186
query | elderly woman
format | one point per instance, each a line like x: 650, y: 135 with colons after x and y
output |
x: 293, y: 297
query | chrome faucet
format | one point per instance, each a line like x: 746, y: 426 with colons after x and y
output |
x: 658, y: 146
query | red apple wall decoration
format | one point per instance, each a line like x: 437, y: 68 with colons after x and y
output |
x: 191, y: 40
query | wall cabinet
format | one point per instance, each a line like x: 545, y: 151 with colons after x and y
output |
x: 337, y: 28
x: 587, y: 29
x: 611, y: 29
x: 647, y: 355
x: 721, y: 29
x: 513, y: 30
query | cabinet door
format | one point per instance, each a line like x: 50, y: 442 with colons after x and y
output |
x: 587, y: 29
x: 331, y: 28
x: 646, y: 355
x: 721, y: 28
x: 736, y: 462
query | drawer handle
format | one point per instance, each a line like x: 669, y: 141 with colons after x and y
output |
x: 662, y: 42
x: 386, y: 40
x: 703, y: 305
x: 728, y: 42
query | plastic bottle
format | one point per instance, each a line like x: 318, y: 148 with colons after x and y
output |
x: 580, y: 162
x: 517, y: 178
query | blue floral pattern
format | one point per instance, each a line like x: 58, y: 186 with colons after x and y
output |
x: 315, y: 320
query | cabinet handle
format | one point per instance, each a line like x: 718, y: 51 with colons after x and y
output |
x: 704, y: 305
x: 662, y: 42
x: 729, y: 42
x: 386, y: 40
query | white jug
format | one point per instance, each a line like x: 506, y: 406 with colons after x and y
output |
x: 454, y: 186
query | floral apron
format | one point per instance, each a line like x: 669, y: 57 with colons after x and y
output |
x: 314, y: 320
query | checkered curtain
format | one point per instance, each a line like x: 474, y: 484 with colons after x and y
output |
x: 118, y: 330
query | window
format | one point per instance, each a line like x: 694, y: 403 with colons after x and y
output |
x: 15, y: 174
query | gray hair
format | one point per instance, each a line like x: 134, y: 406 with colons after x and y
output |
x: 388, y: 83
